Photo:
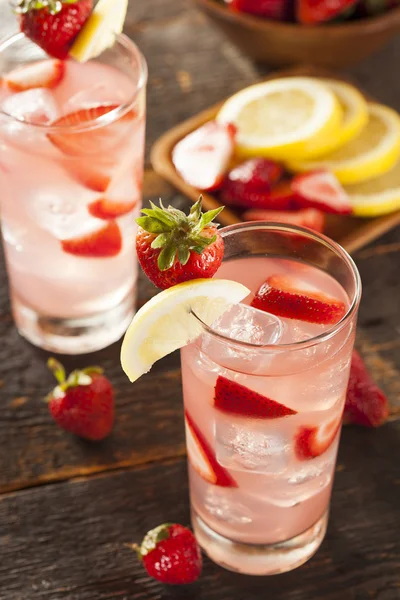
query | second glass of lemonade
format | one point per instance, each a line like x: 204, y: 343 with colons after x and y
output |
x: 71, y: 170
x: 264, y: 397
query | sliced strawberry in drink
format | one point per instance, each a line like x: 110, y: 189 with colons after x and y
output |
x: 313, y: 441
x: 285, y: 296
x: 236, y: 399
x: 202, y: 457
x: 366, y: 404
x: 96, y: 177
x: 108, y: 209
x: 202, y: 157
x: 308, y: 217
x: 250, y: 185
x: 101, y: 243
x: 321, y: 189
x: 92, y: 140
x: 42, y: 74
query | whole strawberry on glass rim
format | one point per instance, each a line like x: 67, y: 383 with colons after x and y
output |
x: 53, y: 24
x: 173, y: 247
x: 171, y: 554
x: 83, y: 402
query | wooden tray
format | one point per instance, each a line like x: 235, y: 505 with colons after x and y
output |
x: 352, y: 233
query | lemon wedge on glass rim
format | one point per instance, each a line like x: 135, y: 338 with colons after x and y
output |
x: 167, y: 322
x: 100, y: 30
x: 373, y: 152
x: 286, y: 118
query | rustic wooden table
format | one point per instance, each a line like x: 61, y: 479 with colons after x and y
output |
x: 67, y: 507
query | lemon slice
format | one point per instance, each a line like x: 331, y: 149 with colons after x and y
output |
x: 166, y: 322
x: 373, y: 152
x: 285, y: 119
x: 377, y: 196
x: 355, y: 115
x: 100, y: 30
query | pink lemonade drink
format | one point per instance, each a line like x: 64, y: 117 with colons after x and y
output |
x: 264, y: 396
x: 71, y: 170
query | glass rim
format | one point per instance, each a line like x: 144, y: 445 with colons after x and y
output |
x: 105, y: 119
x: 317, y: 237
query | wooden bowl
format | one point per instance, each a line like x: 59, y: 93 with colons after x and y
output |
x: 284, y: 44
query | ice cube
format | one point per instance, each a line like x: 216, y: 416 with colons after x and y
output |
x: 244, y: 445
x: 36, y: 106
x: 222, y: 504
x: 94, y: 95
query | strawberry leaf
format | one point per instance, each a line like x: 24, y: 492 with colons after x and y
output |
x: 166, y: 257
x: 152, y: 225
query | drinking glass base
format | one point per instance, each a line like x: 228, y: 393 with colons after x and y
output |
x: 75, y: 335
x: 255, y: 559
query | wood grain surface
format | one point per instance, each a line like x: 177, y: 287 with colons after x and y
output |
x: 67, y: 507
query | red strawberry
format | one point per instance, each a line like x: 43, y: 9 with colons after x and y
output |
x: 249, y: 185
x: 313, y: 441
x: 96, y: 177
x: 270, y: 9
x: 285, y: 296
x: 91, y: 141
x: 42, y: 74
x: 321, y: 189
x: 308, y: 217
x: 171, y: 554
x: 173, y: 247
x: 311, y: 12
x: 236, y: 399
x: 202, y: 157
x: 52, y: 24
x: 102, y: 243
x: 82, y: 404
x: 107, y: 209
x: 202, y: 458
x: 366, y: 404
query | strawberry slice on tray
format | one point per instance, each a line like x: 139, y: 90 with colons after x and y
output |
x: 308, y: 217
x: 285, y: 296
x: 250, y: 185
x: 42, y: 74
x: 236, y: 399
x: 105, y: 242
x: 270, y: 9
x: 203, y: 156
x: 202, y: 457
x: 321, y: 189
x: 312, y: 12
x: 313, y: 441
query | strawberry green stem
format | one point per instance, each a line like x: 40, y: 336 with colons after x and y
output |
x: 57, y: 369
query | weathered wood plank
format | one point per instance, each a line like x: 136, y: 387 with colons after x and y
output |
x: 65, y: 541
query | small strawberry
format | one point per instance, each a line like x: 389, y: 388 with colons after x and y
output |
x: 236, y: 399
x: 270, y: 9
x: 202, y: 157
x: 107, y: 209
x: 308, y: 217
x: 366, y: 404
x: 202, y: 457
x: 321, y: 189
x: 313, y: 441
x: 171, y: 554
x: 102, y: 243
x: 83, y: 403
x: 53, y: 24
x: 284, y: 296
x: 173, y: 247
x: 42, y: 74
x: 312, y: 12
x: 250, y: 185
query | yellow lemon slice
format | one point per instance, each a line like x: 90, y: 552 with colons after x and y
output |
x: 373, y: 152
x: 377, y: 196
x: 100, y: 30
x: 167, y: 322
x: 288, y: 118
x: 355, y: 115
